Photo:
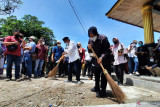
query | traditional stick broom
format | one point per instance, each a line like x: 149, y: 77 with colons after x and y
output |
x: 54, y: 70
x: 116, y: 90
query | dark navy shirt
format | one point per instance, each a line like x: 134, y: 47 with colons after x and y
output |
x: 57, y: 52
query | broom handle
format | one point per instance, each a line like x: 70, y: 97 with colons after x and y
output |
x: 60, y: 59
x: 97, y: 59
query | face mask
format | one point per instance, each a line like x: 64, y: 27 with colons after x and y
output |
x: 43, y: 43
x: 16, y: 35
x: 67, y: 43
x: 94, y: 38
x: 151, y: 60
x: 1, y: 42
x: 115, y: 42
x: 140, y: 44
x: 78, y: 47
x: 58, y: 44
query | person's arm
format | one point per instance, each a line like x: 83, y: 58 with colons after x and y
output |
x: 8, y: 43
x: 105, y: 48
x: 28, y: 48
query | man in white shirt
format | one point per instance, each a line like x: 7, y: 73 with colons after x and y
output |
x: 74, y: 60
x: 133, y: 60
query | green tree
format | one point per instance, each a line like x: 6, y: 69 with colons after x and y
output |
x: 28, y: 26
x: 8, y: 6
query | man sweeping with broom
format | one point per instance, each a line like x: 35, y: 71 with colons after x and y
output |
x: 100, y: 47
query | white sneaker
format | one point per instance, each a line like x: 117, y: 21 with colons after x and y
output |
x: 130, y: 74
x: 137, y: 73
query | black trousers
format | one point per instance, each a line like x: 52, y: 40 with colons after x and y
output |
x: 99, y: 74
x: 61, y: 71
x: 66, y: 67
x: 87, y: 67
x: 49, y: 66
x: 119, y: 70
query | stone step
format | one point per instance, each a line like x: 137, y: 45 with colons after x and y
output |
x: 148, y: 82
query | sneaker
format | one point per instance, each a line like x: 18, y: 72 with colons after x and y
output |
x: 93, y: 90
x: 79, y: 82
x: 130, y: 74
x: 46, y: 75
x: 120, y: 84
x: 68, y: 81
x: 9, y: 79
x: 20, y: 79
x: 137, y: 73
x: 102, y: 94
x: 98, y: 94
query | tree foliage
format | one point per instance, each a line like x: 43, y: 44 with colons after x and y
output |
x: 8, y: 6
x: 28, y: 26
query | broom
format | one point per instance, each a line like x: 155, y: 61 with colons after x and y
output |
x: 116, y: 90
x: 53, y: 72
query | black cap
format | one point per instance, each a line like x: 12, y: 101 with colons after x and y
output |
x: 17, y: 30
x: 65, y: 38
x: 93, y: 30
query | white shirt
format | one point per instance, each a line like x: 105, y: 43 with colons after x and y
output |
x: 72, y: 52
x: 119, y: 59
x: 132, y: 52
x: 87, y: 56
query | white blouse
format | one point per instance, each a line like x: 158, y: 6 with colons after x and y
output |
x: 119, y: 59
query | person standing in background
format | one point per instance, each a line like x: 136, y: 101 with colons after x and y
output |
x: 2, y: 50
x: 56, y: 55
x: 41, y: 55
x: 120, y: 60
x: 13, y: 53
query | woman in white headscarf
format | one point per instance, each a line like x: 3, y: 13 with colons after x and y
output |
x: 120, y: 60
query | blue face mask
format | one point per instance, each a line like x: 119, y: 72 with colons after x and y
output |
x: 151, y: 60
x: 140, y: 44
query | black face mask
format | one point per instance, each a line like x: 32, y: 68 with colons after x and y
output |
x: 115, y: 42
x: 17, y: 36
x: 78, y: 47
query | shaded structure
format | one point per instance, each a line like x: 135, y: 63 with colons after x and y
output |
x: 141, y: 13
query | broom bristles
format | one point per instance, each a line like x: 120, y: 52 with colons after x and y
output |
x: 116, y: 90
x: 54, y: 71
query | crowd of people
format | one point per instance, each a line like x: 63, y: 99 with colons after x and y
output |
x: 37, y: 59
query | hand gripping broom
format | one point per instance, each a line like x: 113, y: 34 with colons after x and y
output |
x: 116, y: 90
x: 53, y: 72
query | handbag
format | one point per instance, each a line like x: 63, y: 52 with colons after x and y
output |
x: 33, y: 55
x: 12, y: 47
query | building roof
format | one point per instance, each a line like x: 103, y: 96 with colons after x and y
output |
x: 129, y: 11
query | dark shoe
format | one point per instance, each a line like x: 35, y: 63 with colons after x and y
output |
x: 35, y: 76
x: 9, y: 79
x: 79, y: 82
x: 102, y: 93
x: 120, y: 84
x: 46, y: 75
x: 93, y: 90
x: 68, y: 81
x: 98, y: 94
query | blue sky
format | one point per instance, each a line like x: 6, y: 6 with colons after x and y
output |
x: 59, y: 16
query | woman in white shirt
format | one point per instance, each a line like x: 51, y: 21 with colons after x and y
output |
x: 119, y: 59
